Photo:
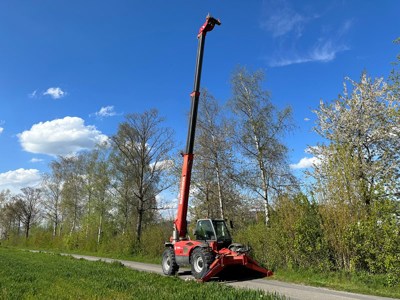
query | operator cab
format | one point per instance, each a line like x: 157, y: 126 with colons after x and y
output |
x: 213, y: 230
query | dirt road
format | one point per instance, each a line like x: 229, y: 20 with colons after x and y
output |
x: 292, y: 291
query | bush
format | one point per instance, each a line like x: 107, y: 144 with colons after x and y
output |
x: 154, y: 238
x: 376, y: 243
x: 294, y: 238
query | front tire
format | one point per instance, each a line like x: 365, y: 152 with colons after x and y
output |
x: 201, y: 261
x: 169, y: 265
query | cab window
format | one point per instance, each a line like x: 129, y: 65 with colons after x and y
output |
x: 221, y: 230
x: 204, y: 230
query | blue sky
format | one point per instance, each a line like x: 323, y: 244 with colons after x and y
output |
x: 70, y: 70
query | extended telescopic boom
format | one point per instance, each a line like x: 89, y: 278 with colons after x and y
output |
x: 180, y: 224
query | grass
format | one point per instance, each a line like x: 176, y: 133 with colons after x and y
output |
x: 362, y: 283
x: 115, y: 254
x: 26, y: 275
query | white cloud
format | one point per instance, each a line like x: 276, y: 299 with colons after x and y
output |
x: 54, y: 92
x: 106, y: 111
x: 325, y: 51
x: 17, y: 179
x: 61, y: 137
x: 33, y: 94
x: 305, y: 162
x: 36, y: 160
x: 163, y: 165
x: 281, y: 19
x: 307, y: 119
x: 293, y: 30
x: 1, y: 130
x: 283, y: 22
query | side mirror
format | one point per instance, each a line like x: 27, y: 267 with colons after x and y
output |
x: 231, y: 224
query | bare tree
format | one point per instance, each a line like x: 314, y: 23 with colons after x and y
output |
x: 122, y: 189
x: 27, y: 207
x: 214, y: 163
x: 260, y: 129
x: 146, y: 145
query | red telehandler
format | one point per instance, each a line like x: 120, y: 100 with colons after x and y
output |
x: 212, y: 250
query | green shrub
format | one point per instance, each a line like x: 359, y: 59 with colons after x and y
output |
x: 376, y: 242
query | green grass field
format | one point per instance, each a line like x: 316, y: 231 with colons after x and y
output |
x: 26, y: 275
x: 362, y: 283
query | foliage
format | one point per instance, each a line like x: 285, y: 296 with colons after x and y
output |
x: 356, y: 179
x: 154, y: 237
x: 105, y: 201
x: 362, y: 126
x: 26, y: 275
x: 294, y: 239
x: 215, y: 194
x: 145, y: 146
x: 376, y: 242
x: 259, y: 129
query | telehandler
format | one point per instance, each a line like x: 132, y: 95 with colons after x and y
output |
x: 212, y: 250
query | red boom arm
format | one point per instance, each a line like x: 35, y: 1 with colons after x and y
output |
x: 180, y: 224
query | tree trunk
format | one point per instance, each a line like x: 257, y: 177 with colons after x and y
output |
x: 27, y: 229
x: 139, y: 221
x: 264, y: 181
x: 221, y: 202
x: 54, y: 229
x: 100, y: 230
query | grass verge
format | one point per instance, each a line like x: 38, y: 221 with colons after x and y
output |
x: 362, y: 283
x: 26, y: 275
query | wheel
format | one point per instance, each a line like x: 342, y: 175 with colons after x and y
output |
x: 201, y: 260
x: 169, y: 265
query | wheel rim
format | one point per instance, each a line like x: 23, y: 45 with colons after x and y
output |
x: 167, y: 263
x: 198, y: 264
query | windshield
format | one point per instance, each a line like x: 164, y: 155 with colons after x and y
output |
x: 212, y: 230
x: 221, y: 230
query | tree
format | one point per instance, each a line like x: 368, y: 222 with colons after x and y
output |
x: 96, y: 183
x: 214, y: 163
x: 122, y: 189
x: 27, y: 207
x: 146, y: 146
x: 362, y: 125
x: 358, y: 171
x: 259, y: 130
x: 52, y: 189
x: 6, y: 219
x: 72, y: 191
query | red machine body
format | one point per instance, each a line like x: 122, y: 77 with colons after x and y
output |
x: 212, y: 250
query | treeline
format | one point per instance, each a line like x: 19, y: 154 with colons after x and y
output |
x: 345, y: 216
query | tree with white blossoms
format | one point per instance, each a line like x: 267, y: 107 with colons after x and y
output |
x: 362, y: 128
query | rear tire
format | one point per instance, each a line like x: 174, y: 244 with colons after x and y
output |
x: 169, y: 265
x: 201, y: 261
